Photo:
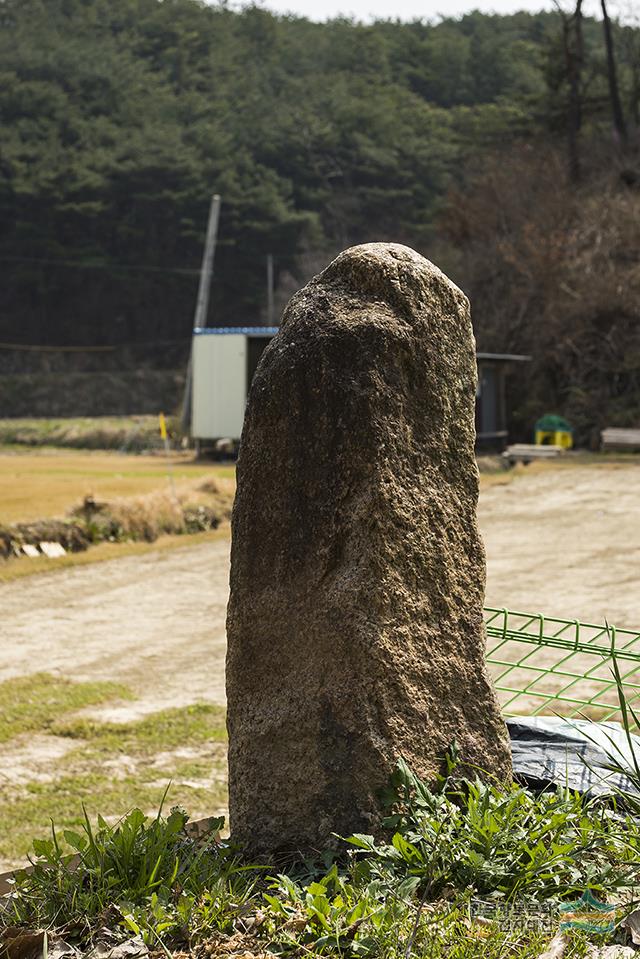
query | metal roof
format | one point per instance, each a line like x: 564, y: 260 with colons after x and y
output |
x: 504, y: 357
x: 272, y: 330
x: 245, y: 330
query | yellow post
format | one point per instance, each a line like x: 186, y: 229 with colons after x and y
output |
x: 164, y: 436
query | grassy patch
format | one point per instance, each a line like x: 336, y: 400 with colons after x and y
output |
x: 459, y: 867
x: 34, y: 703
x: 111, y: 766
x: 167, y: 729
x: 130, y: 433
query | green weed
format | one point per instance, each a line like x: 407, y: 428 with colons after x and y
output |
x: 149, y: 875
x: 33, y: 806
x: 472, y: 834
x: 357, y: 916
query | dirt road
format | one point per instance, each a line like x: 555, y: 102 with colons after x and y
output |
x: 564, y: 541
x: 154, y: 622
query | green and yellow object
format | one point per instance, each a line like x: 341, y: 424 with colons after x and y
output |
x: 552, y: 430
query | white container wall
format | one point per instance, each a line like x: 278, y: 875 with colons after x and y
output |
x: 224, y: 360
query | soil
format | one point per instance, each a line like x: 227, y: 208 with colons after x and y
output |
x: 153, y: 622
x: 565, y: 541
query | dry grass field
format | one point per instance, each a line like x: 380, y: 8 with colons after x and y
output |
x: 47, y: 483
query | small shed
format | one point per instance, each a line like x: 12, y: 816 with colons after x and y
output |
x: 225, y: 358
x: 491, y: 402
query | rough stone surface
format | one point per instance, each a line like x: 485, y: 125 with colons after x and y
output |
x: 357, y: 571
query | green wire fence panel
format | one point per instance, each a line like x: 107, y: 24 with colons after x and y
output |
x: 542, y: 664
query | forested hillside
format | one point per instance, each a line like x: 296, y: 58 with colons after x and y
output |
x: 491, y: 144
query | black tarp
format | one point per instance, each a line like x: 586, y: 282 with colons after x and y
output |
x: 551, y: 750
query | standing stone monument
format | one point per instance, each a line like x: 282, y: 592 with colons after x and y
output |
x: 357, y: 571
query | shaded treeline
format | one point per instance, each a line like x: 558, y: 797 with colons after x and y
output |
x: 491, y: 144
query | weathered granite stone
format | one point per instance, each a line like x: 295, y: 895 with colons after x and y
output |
x: 357, y: 570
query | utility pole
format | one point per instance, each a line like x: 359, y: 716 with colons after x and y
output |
x: 202, y: 302
x: 270, y: 303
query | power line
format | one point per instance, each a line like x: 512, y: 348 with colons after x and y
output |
x: 56, y: 349
x: 187, y: 271
x: 30, y: 348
